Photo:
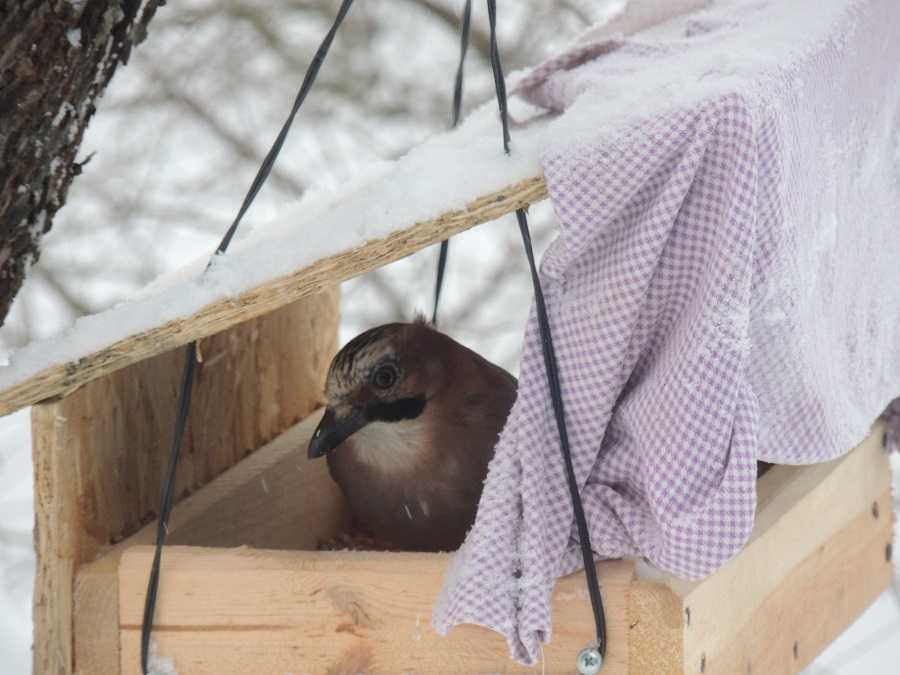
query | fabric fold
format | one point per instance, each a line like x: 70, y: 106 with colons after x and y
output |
x: 693, y: 294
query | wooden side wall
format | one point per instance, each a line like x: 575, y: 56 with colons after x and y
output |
x: 100, y: 452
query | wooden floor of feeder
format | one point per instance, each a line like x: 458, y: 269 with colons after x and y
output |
x: 819, y: 555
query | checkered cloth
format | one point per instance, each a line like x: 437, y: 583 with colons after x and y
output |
x: 725, y: 287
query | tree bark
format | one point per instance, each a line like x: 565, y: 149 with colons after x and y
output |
x: 56, y: 58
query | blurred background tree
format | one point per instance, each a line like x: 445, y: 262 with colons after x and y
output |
x: 56, y: 58
x: 181, y: 131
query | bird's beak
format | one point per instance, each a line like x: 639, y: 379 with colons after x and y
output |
x: 334, y: 430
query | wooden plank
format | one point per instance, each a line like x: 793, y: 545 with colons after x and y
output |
x: 815, y: 561
x: 273, y: 498
x: 265, y: 298
x: 96, y: 617
x: 56, y: 543
x: 838, y: 566
x: 245, y: 610
x: 99, y: 455
x: 811, y: 606
x: 276, y: 498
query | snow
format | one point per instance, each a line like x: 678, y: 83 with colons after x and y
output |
x: 445, y: 173
x: 16, y: 546
x: 459, y: 167
x: 73, y: 35
x: 158, y: 664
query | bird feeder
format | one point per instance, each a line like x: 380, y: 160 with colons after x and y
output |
x: 244, y: 588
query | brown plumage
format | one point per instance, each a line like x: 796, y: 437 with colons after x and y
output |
x: 410, y: 427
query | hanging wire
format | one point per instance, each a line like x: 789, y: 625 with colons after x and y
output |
x: 184, y: 398
x: 457, y: 106
x: 550, y: 363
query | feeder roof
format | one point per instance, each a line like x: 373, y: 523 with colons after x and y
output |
x: 448, y: 184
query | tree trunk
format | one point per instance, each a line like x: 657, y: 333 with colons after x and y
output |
x: 56, y: 58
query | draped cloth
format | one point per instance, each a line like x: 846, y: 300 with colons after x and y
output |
x: 724, y: 288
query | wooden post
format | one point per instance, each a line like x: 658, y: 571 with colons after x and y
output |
x: 100, y: 453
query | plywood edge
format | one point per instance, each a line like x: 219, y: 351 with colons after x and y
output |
x: 346, y: 611
x: 656, y: 624
x: 219, y: 315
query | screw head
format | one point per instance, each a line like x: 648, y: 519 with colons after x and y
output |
x: 590, y: 662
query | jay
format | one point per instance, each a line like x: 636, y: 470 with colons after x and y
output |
x: 410, y: 425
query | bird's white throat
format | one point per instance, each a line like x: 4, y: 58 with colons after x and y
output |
x: 390, y: 446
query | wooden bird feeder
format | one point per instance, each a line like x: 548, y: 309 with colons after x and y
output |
x: 243, y: 588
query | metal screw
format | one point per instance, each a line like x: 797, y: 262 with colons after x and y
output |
x: 796, y: 650
x: 590, y: 661
x: 687, y: 616
x: 875, y: 509
x: 889, y: 551
x: 703, y: 663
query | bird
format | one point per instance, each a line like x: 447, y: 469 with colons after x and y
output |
x: 410, y: 424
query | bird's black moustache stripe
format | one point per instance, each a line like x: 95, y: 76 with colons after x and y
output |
x: 395, y: 411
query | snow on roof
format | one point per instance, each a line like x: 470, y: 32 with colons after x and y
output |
x: 451, y: 172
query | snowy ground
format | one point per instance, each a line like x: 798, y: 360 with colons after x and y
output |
x: 871, y: 646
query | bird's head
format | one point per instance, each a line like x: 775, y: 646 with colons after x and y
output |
x: 387, y: 374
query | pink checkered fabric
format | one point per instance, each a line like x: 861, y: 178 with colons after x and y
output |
x: 725, y: 287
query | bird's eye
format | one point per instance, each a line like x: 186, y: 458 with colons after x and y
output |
x: 384, y: 376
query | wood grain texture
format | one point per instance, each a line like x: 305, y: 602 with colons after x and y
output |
x: 656, y: 624
x: 100, y: 455
x: 245, y: 610
x: 809, y: 607
x: 276, y: 498
x: 56, y: 542
x: 815, y: 561
x: 223, y: 314
x: 95, y: 616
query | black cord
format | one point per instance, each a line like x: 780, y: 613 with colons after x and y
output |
x: 457, y: 106
x: 550, y: 363
x: 463, y: 48
x: 184, y: 405
x: 184, y: 398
